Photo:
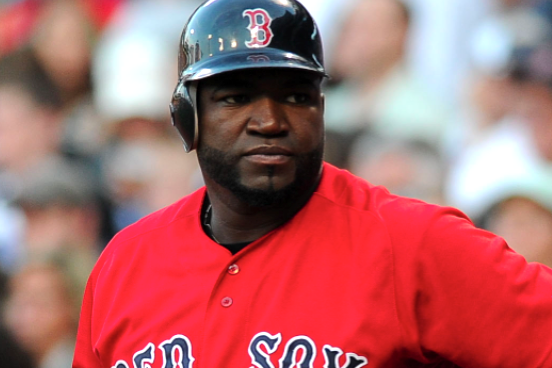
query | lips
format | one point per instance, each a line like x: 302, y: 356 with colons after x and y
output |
x: 268, y: 155
x: 269, y: 151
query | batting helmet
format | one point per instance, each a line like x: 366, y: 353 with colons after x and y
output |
x: 227, y: 35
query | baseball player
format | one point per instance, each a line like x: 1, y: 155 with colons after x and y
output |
x: 282, y: 260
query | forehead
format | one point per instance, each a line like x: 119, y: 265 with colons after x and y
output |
x: 273, y: 77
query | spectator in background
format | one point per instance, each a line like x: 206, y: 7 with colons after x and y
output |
x: 133, y: 73
x: 42, y: 308
x: 61, y: 207
x: 160, y: 18
x: 12, y: 354
x: 377, y: 90
x: 143, y: 176
x: 171, y: 179
x: 63, y: 44
x: 516, y: 147
x: 59, y: 52
x: 18, y: 19
x: 29, y: 136
x: 521, y: 212
x: 536, y: 104
x: 133, y: 68
x: 490, y: 92
x: 29, y: 130
x: 440, y: 40
x: 405, y: 167
x: 328, y: 15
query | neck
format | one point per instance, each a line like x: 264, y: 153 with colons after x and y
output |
x: 233, y: 221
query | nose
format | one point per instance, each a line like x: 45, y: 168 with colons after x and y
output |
x: 268, y: 118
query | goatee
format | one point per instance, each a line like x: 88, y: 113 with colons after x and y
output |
x: 223, y: 169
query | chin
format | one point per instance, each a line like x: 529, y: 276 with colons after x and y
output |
x: 266, y: 187
x: 266, y: 197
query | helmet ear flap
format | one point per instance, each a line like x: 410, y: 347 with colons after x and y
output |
x: 184, y: 117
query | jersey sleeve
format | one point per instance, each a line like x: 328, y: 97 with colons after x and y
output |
x: 464, y: 296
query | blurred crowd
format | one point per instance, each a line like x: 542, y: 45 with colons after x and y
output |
x: 447, y: 101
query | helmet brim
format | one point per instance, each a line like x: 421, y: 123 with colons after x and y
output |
x: 253, y: 59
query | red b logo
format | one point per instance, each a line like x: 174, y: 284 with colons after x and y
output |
x: 259, y: 26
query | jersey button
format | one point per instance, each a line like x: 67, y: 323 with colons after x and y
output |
x: 226, y: 302
x: 233, y: 269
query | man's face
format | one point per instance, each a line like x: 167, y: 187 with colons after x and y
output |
x: 261, y: 133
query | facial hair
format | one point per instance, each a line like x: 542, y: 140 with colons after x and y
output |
x: 223, y: 169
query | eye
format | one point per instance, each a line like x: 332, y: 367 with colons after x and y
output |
x: 298, y: 98
x: 236, y: 99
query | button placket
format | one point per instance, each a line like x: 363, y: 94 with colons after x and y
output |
x: 232, y: 270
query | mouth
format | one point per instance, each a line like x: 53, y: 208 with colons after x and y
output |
x: 268, y: 155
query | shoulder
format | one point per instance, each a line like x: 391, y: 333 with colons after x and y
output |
x: 345, y: 189
x: 158, y: 227
x: 151, y: 241
x: 398, y: 214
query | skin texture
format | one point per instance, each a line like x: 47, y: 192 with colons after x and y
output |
x: 261, y: 137
x: 370, y: 58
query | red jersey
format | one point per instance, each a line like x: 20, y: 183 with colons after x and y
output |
x: 357, y: 278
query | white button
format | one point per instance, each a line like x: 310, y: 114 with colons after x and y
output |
x: 233, y: 269
x: 226, y: 302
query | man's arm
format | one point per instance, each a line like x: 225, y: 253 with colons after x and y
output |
x: 465, y: 296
